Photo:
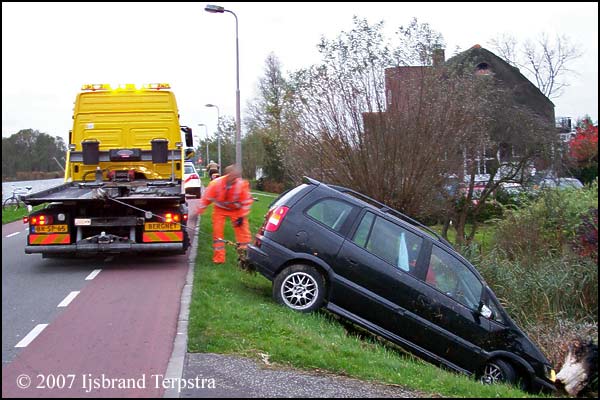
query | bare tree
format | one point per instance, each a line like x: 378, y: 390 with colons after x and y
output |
x: 514, y: 138
x: 400, y: 156
x: 545, y: 61
x: 417, y: 42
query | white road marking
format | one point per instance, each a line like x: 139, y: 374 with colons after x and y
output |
x: 31, y: 335
x: 93, y: 274
x: 68, y: 299
x: 12, y: 234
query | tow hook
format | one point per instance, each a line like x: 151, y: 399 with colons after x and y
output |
x: 103, y: 238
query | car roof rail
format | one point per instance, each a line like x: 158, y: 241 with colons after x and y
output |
x: 310, y: 181
x: 388, y: 210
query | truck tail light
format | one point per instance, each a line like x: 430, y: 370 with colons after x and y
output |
x: 172, y: 217
x: 275, y: 218
x: 26, y: 219
x: 41, y: 220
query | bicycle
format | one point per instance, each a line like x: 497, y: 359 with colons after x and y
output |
x: 14, y: 201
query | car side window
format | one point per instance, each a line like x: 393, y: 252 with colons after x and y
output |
x: 452, y: 277
x: 333, y: 213
x: 389, y: 241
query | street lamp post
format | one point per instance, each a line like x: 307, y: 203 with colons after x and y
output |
x: 238, y: 136
x: 206, y: 131
x: 218, y: 135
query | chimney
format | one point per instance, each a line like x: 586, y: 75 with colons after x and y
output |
x: 438, y: 57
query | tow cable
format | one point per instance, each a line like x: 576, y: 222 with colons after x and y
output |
x: 241, y: 252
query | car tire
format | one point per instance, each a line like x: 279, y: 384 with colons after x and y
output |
x: 300, y: 287
x: 498, y: 371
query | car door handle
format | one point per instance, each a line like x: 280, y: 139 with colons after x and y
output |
x: 351, y: 262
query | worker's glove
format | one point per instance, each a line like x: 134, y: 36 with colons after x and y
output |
x: 238, y: 222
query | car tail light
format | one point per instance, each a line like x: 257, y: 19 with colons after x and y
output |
x: 192, y: 176
x: 172, y: 217
x: 185, y: 217
x: 275, y: 218
x: 41, y: 220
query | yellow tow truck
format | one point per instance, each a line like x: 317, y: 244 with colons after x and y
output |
x: 123, y: 188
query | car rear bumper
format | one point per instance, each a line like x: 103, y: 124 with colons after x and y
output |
x: 268, y: 257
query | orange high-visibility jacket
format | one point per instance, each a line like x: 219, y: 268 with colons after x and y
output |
x: 234, y: 200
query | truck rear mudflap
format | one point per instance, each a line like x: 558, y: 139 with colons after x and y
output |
x: 104, y: 248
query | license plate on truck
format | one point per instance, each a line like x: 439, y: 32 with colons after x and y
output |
x: 50, y: 228
x: 160, y: 226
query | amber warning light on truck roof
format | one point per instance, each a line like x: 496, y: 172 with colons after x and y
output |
x: 124, y: 86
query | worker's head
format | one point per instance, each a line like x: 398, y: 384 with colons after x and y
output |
x: 233, y: 172
x: 212, y: 162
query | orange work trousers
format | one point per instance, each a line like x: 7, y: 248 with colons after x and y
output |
x: 242, y: 233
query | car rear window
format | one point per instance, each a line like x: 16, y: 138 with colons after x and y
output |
x: 330, y: 212
x: 189, y: 169
x: 285, y: 197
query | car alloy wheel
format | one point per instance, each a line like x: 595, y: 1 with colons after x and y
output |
x: 498, y: 371
x: 299, y: 291
x: 299, y: 287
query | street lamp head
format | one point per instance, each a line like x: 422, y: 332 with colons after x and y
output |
x: 211, y: 8
x: 209, y: 105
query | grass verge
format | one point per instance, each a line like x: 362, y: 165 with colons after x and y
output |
x: 232, y: 312
x: 15, y: 215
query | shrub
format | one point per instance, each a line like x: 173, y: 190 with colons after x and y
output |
x: 545, y: 225
x: 272, y: 186
x: 586, y: 242
x: 565, y: 287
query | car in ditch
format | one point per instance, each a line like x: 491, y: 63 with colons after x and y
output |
x: 328, y: 246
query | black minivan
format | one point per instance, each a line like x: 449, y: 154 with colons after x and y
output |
x: 326, y: 245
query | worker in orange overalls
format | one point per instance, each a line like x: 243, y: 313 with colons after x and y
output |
x: 231, y: 197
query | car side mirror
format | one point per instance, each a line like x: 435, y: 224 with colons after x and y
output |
x: 485, y: 311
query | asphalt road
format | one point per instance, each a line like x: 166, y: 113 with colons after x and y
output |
x: 32, y: 287
x: 227, y: 376
x: 113, y: 338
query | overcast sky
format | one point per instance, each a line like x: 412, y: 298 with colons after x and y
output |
x: 50, y: 49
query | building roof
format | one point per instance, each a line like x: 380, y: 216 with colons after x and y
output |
x: 479, y: 59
